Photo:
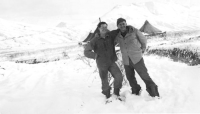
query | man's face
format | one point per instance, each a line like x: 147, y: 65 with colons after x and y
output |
x: 103, y: 28
x: 122, y: 26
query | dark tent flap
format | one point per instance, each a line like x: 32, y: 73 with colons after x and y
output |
x: 90, y: 36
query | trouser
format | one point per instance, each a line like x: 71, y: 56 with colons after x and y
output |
x: 116, y: 74
x: 141, y: 69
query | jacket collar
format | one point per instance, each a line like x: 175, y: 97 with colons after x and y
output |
x: 130, y: 30
x: 97, y: 35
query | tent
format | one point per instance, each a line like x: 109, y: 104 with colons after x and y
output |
x: 149, y: 29
x: 90, y: 36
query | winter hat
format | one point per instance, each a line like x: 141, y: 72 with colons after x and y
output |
x: 119, y: 20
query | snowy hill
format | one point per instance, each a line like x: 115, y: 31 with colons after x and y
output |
x: 167, y: 16
x: 61, y: 24
x: 20, y: 35
x: 19, y: 39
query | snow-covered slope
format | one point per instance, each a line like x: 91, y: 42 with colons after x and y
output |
x: 61, y: 25
x: 20, y: 35
x: 167, y: 16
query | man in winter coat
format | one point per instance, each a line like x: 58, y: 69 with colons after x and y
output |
x: 132, y: 45
x: 101, y: 48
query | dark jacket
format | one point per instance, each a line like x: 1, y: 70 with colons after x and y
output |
x: 103, y: 50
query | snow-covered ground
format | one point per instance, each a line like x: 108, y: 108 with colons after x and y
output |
x: 71, y: 86
x: 184, y: 41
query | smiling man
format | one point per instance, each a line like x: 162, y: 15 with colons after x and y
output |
x: 132, y: 45
x: 102, y: 49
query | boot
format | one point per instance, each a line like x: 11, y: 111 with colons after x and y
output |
x: 136, y: 91
x: 106, y: 93
x: 153, y: 91
x: 116, y: 91
x: 116, y: 94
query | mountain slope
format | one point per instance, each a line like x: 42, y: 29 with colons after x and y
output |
x: 20, y: 35
x: 166, y: 16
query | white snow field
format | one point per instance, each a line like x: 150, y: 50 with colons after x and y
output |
x: 72, y: 86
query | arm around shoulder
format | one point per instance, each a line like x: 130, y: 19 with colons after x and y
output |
x: 113, y: 35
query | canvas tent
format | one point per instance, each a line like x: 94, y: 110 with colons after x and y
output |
x: 90, y: 36
x: 149, y: 29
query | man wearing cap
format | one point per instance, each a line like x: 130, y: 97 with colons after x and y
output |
x: 132, y: 45
x: 101, y: 48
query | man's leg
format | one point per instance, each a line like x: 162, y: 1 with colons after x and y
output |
x: 116, y: 73
x: 130, y: 75
x: 143, y: 73
x: 103, y: 72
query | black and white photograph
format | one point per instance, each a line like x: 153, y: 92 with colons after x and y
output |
x: 99, y: 56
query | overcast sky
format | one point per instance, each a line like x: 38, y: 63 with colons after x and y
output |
x: 50, y: 11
